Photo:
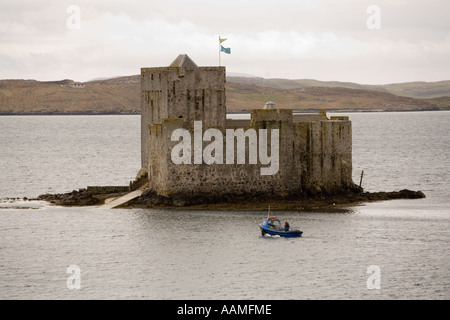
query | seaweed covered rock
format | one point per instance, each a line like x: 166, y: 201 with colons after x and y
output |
x: 85, y: 197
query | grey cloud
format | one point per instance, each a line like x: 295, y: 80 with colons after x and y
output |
x: 326, y: 40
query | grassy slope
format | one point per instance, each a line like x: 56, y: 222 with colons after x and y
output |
x: 419, y: 90
x: 122, y: 95
x: 29, y: 96
x: 246, y: 97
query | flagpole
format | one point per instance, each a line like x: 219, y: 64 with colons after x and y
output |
x: 219, y: 51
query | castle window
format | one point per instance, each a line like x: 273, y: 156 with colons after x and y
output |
x: 151, y: 76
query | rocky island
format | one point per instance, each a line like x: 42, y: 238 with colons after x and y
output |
x: 96, y: 196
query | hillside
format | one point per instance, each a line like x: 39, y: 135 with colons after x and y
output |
x: 119, y: 95
x: 122, y: 96
x: 244, y: 96
x: 418, y: 90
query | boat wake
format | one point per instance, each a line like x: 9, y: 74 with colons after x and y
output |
x: 266, y: 235
x: 22, y: 204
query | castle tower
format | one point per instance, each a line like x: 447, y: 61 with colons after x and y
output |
x: 182, y: 90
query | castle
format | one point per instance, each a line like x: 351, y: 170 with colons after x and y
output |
x: 189, y: 146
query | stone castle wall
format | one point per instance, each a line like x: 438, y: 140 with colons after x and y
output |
x: 181, y: 92
x: 313, y: 157
x: 315, y: 153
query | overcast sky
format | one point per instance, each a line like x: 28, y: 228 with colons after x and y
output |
x: 371, y: 42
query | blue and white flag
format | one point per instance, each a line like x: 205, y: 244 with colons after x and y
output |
x: 226, y: 50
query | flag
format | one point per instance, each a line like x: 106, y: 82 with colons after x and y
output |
x: 222, y: 40
x: 226, y: 50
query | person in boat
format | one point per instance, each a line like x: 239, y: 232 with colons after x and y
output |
x: 286, y: 226
x: 270, y: 223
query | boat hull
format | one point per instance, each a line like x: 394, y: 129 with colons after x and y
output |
x: 286, y: 234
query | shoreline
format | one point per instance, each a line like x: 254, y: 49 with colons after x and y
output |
x: 96, y: 196
x: 122, y: 112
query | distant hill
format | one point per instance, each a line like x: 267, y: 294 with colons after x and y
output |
x: 419, y: 90
x: 116, y: 95
x: 244, y: 96
x: 121, y: 95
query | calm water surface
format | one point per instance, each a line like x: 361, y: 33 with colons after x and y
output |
x: 162, y: 254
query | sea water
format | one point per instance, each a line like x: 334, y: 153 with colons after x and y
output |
x: 383, y: 250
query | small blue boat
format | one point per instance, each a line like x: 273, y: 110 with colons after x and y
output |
x: 272, y: 226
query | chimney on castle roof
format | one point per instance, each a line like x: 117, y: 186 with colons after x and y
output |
x: 270, y: 105
x: 183, y: 60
